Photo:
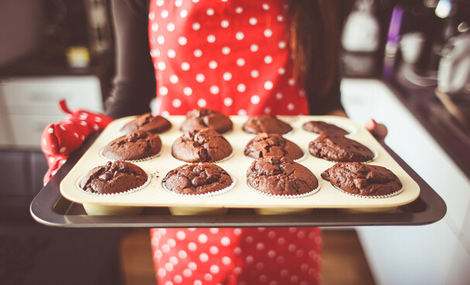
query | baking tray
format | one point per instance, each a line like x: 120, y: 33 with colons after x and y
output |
x: 240, y: 195
x: 50, y: 208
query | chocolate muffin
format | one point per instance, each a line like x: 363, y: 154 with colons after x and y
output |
x: 148, y: 123
x: 320, y: 127
x: 339, y: 148
x: 264, y: 145
x: 197, y: 178
x: 205, y: 118
x: 203, y: 145
x: 362, y: 179
x: 266, y: 124
x: 280, y: 176
x: 114, y: 177
x: 133, y: 146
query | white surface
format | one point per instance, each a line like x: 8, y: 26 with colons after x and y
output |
x: 39, y: 96
x: 240, y: 195
x: 27, y: 129
x: 435, y: 246
x: 5, y: 135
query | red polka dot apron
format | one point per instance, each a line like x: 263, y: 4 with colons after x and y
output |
x: 231, y: 56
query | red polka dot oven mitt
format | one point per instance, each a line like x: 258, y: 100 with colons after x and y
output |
x: 61, y: 138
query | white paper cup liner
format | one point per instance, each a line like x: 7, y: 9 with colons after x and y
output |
x: 204, y: 195
x: 131, y: 160
x: 150, y: 176
x: 371, y: 196
x: 314, y: 191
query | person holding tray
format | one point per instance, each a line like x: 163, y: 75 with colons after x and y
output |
x: 241, y: 57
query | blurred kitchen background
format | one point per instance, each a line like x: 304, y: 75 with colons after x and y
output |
x: 404, y: 63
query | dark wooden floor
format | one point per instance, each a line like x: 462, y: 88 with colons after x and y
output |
x: 343, y: 260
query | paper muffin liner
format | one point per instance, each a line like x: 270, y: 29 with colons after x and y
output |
x: 372, y: 196
x: 314, y: 191
x: 101, y: 154
x: 150, y: 177
x: 204, y: 195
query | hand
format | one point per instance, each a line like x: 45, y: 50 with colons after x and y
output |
x: 378, y: 130
x: 62, y: 138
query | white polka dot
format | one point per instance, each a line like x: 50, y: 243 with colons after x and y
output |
x: 182, y: 40
x: 254, y: 47
x: 224, y: 24
x: 268, y: 85
x: 210, y: 12
x: 197, y: 282
x: 282, y: 44
x: 291, y: 82
x: 255, y: 99
x: 192, y: 246
x: 160, y: 3
x: 161, y: 272
x: 178, y: 3
x: 180, y: 235
x: 164, y: 14
x: 196, y: 26
x: 184, y: 13
x: 173, y: 260
x: 154, y: 27
x: 290, y: 107
x: 214, y: 269
x: 174, y: 79
x: 208, y: 277
x: 241, y: 62
x: 300, y: 234
x: 268, y: 59
x: 271, y: 253
x: 273, y: 282
x: 281, y: 70
x: 171, y: 53
x: 227, y: 76
x: 294, y: 278
x: 197, y: 53
x: 163, y: 90
x: 182, y: 254
x: 187, y: 91
x: 202, y: 238
x: 170, y: 27
x: 265, y: 7
x: 211, y: 39
x: 242, y: 112
x: 239, y: 36
x: 50, y: 130
x: 195, y: 1
x: 161, y: 39
x: 213, y: 64
x: 200, y: 77
x: 249, y: 239
x: 253, y: 21
x: 62, y: 149
x: 291, y: 247
x: 171, y: 242
x: 271, y: 234
x: 201, y: 103
x: 237, y: 270
x: 203, y: 257
x: 280, y: 259
x: 151, y: 16
x: 237, y: 231
x: 214, y: 89
x: 169, y: 266
x: 192, y: 265
x: 241, y: 87
x: 228, y: 102
x: 268, y: 33
x: 225, y: 50
x: 281, y: 240
x: 225, y: 241
x: 178, y: 279
x: 187, y: 272
x: 213, y: 249
x: 237, y: 250
x: 185, y: 66
x: 263, y: 278
x: 176, y: 103
x: 226, y: 260
x: 239, y: 10
x: 280, y: 18
x: 254, y: 73
x: 249, y: 259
